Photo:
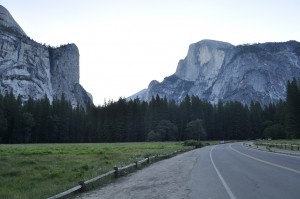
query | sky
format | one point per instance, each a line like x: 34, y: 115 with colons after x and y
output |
x: 125, y: 44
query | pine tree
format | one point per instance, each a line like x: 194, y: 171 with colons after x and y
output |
x: 293, y: 110
x: 3, y: 121
x: 185, y: 116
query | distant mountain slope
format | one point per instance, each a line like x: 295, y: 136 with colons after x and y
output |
x: 30, y: 69
x: 215, y: 70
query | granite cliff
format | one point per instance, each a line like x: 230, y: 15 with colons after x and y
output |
x: 215, y: 70
x: 29, y: 69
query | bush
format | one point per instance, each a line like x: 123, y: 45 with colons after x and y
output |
x: 153, y: 136
x: 195, y: 143
x: 164, y: 131
x: 275, y: 131
x: 195, y: 130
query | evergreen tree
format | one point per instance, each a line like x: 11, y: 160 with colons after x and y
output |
x: 220, y: 122
x: 37, y: 121
x: 256, y: 120
x: 293, y: 109
x: 184, y: 117
x: 195, y: 130
x: 3, y: 121
x: 27, y: 124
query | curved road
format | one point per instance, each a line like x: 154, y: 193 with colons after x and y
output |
x: 223, y: 171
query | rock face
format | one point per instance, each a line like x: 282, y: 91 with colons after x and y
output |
x: 30, y: 69
x: 7, y: 21
x: 215, y: 70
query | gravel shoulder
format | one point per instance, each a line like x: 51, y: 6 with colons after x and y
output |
x: 164, y: 179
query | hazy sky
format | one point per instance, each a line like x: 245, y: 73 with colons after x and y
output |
x: 124, y: 44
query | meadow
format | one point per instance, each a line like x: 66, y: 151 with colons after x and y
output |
x: 43, y: 170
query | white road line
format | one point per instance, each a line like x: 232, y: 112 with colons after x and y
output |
x: 231, y: 195
x: 266, y: 162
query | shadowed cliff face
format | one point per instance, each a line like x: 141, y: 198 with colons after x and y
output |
x: 30, y: 69
x: 216, y: 71
x: 6, y: 20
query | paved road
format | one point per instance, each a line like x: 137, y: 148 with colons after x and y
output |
x: 224, y: 171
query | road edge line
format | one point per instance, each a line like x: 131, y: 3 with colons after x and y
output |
x: 229, y: 192
x: 273, y: 152
x: 266, y: 162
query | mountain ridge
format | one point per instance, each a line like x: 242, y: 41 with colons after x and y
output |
x: 215, y: 70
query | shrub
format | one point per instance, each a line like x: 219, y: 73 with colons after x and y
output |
x: 153, y: 136
x: 195, y: 143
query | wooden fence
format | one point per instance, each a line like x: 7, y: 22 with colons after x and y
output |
x: 109, y: 176
x: 292, y: 147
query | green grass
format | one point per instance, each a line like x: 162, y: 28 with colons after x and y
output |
x: 42, y: 170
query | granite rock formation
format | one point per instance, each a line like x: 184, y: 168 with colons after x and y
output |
x: 29, y: 69
x: 215, y: 70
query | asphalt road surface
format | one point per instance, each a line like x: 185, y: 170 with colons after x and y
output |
x: 223, y: 171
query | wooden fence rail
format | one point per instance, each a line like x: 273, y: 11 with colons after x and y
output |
x: 115, y: 173
x: 293, y: 147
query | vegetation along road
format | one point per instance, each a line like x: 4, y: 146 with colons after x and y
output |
x: 221, y: 171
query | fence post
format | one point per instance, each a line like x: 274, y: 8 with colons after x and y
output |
x: 83, y: 186
x: 148, y: 160
x: 136, y: 164
x: 116, y: 171
x: 284, y: 146
x: 292, y: 147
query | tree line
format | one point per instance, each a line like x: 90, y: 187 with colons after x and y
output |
x: 39, y: 121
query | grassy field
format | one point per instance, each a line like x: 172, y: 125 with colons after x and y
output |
x: 42, y: 170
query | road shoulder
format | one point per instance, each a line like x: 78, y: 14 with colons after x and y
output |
x: 163, y: 179
x: 271, y: 149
